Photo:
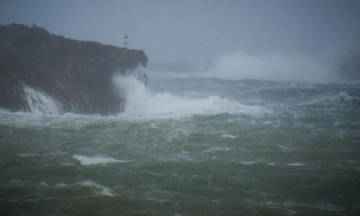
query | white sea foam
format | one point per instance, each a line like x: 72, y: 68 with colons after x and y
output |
x: 339, y: 97
x: 99, y: 189
x: 228, y: 136
x: 216, y: 149
x: 44, y: 184
x: 92, y: 160
x: 41, y: 103
x: 29, y: 119
x: 271, y: 163
x: 141, y: 103
x: 283, y: 148
x: 2, y: 110
x: 28, y: 154
x: 180, y: 157
x: 248, y: 162
x: 295, y: 164
x: 61, y: 185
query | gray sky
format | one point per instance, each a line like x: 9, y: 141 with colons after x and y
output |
x: 198, y: 30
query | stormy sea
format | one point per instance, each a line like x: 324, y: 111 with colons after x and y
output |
x: 187, y: 146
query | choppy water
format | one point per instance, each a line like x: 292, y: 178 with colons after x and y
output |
x: 190, y: 146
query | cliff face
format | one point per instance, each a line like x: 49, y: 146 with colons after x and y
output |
x: 76, y: 73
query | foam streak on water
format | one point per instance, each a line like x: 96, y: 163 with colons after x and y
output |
x: 99, y: 189
x: 92, y: 160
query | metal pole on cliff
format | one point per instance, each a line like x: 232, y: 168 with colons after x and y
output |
x: 125, y: 40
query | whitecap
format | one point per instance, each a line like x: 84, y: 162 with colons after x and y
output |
x: 248, y: 162
x: 99, y: 189
x: 271, y: 163
x: 216, y: 149
x: 283, y: 148
x: 28, y: 154
x: 341, y: 96
x: 92, y: 160
x: 228, y: 136
x: 295, y: 164
x: 61, y: 185
x: 44, y: 184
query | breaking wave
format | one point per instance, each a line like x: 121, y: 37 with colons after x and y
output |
x: 341, y: 97
x: 41, y: 103
x: 141, y: 102
x: 94, y: 160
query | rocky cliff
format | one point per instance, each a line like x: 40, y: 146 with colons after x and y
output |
x: 78, y: 74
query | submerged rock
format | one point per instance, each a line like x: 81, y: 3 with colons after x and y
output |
x: 78, y: 74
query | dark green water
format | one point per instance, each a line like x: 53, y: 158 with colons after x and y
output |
x: 190, y: 147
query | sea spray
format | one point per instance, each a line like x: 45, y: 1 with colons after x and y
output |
x: 141, y: 102
x: 41, y: 103
x: 275, y: 66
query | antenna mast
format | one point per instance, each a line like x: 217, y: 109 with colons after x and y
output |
x: 125, y: 40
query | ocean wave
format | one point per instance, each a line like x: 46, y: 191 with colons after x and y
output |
x: 295, y: 164
x: 228, y: 136
x: 93, y: 160
x: 216, y: 149
x: 339, y: 97
x: 142, y: 103
x: 98, y: 188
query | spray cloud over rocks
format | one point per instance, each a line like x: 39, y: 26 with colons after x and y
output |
x: 141, y: 102
x: 273, y: 67
x: 40, y: 103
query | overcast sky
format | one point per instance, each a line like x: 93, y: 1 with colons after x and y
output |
x: 198, y: 30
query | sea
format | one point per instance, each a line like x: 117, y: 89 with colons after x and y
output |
x: 187, y: 146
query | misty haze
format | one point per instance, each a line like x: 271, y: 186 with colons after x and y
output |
x: 180, y: 108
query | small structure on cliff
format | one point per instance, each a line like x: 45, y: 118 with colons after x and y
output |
x: 125, y: 40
